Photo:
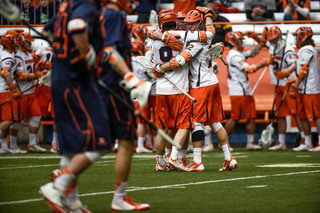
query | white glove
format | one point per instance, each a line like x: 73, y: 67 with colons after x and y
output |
x: 46, y: 78
x: 139, y: 90
x: 91, y: 56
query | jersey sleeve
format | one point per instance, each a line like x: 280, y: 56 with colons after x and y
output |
x: 238, y: 62
x: 307, y: 56
x: 194, y: 48
x: 113, y: 25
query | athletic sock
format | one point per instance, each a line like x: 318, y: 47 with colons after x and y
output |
x: 302, y: 134
x: 197, y: 155
x: 167, y: 151
x: 32, y: 139
x: 207, y: 139
x: 160, y: 159
x: 3, y: 142
x: 226, y: 151
x: 250, y: 138
x: 182, y: 153
x: 140, y: 141
x: 282, y: 138
x: 120, y: 191
x: 64, y: 180
x: 174, y: 153
x: 13, y: 141
x: 308, y: 140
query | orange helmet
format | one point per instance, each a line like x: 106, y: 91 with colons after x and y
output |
x: 181, y: 24
x: 302, y: 34
x: 24, y: 41
x: 274, y: 33
x: 235, y: 39
x: 8, y: 41
x: 194, y: 20
x: 139, y: 32
x: 129, y: 24
x: 165, y: 16
x: 123, y: 4
x: 137, y: 46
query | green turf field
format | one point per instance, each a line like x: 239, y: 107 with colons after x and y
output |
x: 265, y: 181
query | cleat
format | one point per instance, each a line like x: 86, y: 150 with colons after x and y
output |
x: 208, y: 148
x: 195, y: 167
x: 54, y: 174
x: 17, y: 150
x: 184, y: 161
x: 229, y: 165
x: 116, y: 146
x: 160, y: 168
x: 149, y: 146
x: 35, y: 148
x: 253, y: 146
x: 54, y: 148
x: 6, y: 151
x: 302, y: 147
x: 53, y: 197
x: 178, y: 164
x: 315, y: 149
x: 77, y: 207
x: 128, y: 204
x: 143, y: 150
x: 278, y: 146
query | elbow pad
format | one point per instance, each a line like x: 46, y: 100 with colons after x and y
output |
x: 180, y: 60
x: 150, y: 33
x: 5, y: 71
x: 250, y: 68
x: 111, y: 55
x: 207, y: 35
x: 304, y: 71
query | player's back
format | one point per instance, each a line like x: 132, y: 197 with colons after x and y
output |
x: 6, y: 59
x: 25, y: 62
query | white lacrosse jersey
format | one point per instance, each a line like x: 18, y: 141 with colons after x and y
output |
x: 6, y: 60
x: 25, y: 62
x: 311, y: 83
x: 238, y: 81
x: 289, y: 58
x: 153, y: 90
x: 201, y: 65
x: 46, y: 55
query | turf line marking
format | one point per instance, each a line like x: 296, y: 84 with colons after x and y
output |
x: 256, y: 186
x: 170, y: 186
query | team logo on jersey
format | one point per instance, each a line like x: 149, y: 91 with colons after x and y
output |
x: 7, y: 63
x: 102, y: 141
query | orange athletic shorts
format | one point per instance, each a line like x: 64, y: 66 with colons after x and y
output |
x: 312, y: 106
x: 289, y: 105
x: 300, y: 106
x: 174, y: 112
x: 8, y: 111
x: 147, y: 111
x: 44, y: 97
x: 243, y: 107
x: 29, y: 106
x: 208, y: 108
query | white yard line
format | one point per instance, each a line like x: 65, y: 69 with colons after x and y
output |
x: 171, y: 186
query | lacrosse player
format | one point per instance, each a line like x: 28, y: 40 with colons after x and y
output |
x: 25, y: 75
x: 308, y: 85
x: 8, y: 90
x: 242, y: 105
x: 44, y: 55
x: 283, y: 67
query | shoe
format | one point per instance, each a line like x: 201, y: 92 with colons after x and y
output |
x: 54, y: 174
x: 128, y: 204
x: 184, y: 161
x: 208, y: 148
x: 195, y: 167
x: 54, y: 148
x: 77, y: 207
x: 178, y: 164
x: 160, y: 168
x: 35, y: 148
x: 253, y: 146
x: 143, y: 150
x: 53, y: 197
x: 302, y: 147
x: 116, y: 146
x: 315, y: 149
x: 278, y: 146
x: 6, y: 151
x: 229, y: 165
x: 17, y: 150
x: 219, y: 146
x: 149, y: 146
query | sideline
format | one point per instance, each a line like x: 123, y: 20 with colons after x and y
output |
x: 170, y: 186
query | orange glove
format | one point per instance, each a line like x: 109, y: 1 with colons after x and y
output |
x: 304, y: 71
x: 38, y: 74
x: 290, y: 81
x: 206, y: 11
x: 222, y: 48
x: 266, y: 61
x: 157, y: 71
x: 171, y: 41
x: 293, y: 91
x: 15, y: 92
x: 36, y: 58
x: 252, y: 34
x: 283, y: 74
x: 43, y: 65
x: 263, y: 39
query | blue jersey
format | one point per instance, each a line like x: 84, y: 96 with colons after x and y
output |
x: 115, y: 33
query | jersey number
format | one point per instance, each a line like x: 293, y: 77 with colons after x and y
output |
x: 165, y: 54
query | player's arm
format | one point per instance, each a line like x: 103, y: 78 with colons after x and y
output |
x: 307, y: 56
x: 12, y: 87
x: 290, y: 59
x: 252, y: 68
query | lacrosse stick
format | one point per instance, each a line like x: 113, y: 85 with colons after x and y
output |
x: 266, y: 135
x: 136, y: 113
x: 148, y: 65
x: 215, y: 51
x: 258, y: 82
x: 10, y: 99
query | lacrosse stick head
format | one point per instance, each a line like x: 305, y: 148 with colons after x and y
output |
x: 146, y: 63
x: 214, y: 50
x: 266, y: 136
x: 9, y: 11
